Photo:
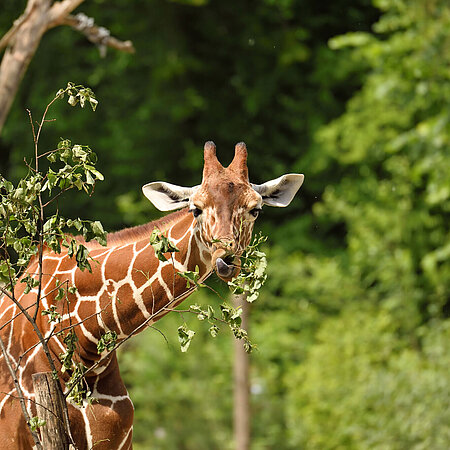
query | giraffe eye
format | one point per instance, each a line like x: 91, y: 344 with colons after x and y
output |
x: 196, y: 212
x: 255, y: 212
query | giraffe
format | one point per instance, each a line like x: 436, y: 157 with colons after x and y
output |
x: 129, y: 289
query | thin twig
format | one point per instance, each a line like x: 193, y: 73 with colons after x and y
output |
x: 41, y: 210
x: 15, y: 317
x: 34, y: 402
x: 49, y: 152
x: 53, y: 332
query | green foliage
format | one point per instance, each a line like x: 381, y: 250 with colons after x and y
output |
x: 396, y: 131
x: 363, y: 387
x: 232, y: 316
x: 36, y: 423
x: 203, y: 314
x: 161, y: 244
x: 377, y: 312
x: 79, y: 94
x: 30, y: 283
x: 229, y: 316
x: 192, y: 277
x: 107, y: 342
x: 52, y: 313
x: 26, y: 232
x: 78, y: 390
x: 185, y: 337
x: 77, y: 168
x: 22, y: 222
x: 66, y: 358
x: 253, y: 271
x: 81, y: 257
x: 353, y: 322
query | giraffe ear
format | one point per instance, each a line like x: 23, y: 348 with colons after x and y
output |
x: 166, y: 196
x: 281, y: 191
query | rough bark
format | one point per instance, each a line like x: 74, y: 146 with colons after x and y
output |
x: 49, y: 406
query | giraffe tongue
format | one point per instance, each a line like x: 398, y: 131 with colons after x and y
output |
x: 223, y: 269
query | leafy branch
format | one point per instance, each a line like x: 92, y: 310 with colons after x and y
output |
x: 162, y: 245
x: 25, y: 233
x: 252, y: 275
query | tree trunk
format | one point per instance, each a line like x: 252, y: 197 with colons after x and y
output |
x: 17, y: 57
x: 242, y: 412
x: 50, y: 406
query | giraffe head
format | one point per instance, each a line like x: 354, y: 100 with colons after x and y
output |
x: 225, y: 205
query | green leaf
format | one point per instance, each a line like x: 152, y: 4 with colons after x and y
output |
x: 161, y: 245
x: 95, y: 172
x: 36, y: 423
x: 72, y: 101
x: 70, y: 341
x: 52, y: 314
x: 61, y: 293
x: 72, y: 290
x: 89, y: 179
x: 185, y: 337
x: 79, y: 154
x: 82, y: 258
x: 107, y: 342
x: 214, y: 331
x: 195, y: 308
x: 99, y: 232
x: 192, y: 277
x: 79, y: 389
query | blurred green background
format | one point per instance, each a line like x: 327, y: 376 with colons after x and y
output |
x: 352, y: 325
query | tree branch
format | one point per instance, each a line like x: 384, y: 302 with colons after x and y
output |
x: 60, y: 10
x: 22, y: 40
x: 99, y: 36
x: 9, y: 35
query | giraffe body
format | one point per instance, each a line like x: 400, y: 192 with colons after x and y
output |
x: 128, y: 289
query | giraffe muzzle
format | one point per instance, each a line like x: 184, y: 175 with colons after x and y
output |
x: 226, y: 265
x: 223, y: 269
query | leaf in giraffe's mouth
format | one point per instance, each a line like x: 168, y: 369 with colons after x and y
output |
x: 228, y: 260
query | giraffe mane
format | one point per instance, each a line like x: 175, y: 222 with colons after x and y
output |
x: 134, y: 234
x: 122, y: 237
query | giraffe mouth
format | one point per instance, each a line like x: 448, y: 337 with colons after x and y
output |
x: 226, y: 266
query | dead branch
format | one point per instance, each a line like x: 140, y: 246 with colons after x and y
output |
x: 99, y: 36
x: 22, y: 41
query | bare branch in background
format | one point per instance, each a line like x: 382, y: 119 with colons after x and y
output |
x: 22, y: 41
x: 100, y: 36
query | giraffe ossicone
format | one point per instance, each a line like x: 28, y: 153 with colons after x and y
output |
x: 129, y: 288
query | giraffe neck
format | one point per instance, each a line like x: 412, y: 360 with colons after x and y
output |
x: 130, y: 288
